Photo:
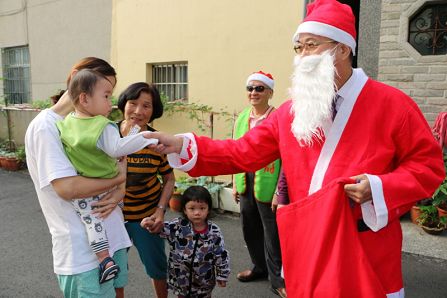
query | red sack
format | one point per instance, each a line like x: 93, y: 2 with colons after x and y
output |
x: 321, y: 252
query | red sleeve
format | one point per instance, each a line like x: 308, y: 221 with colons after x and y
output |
x: 420, y: 167
x: 257, y: 148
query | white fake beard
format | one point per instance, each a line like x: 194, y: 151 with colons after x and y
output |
x: 312, y: 92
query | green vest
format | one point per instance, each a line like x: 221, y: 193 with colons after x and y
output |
x: 79, y: 137
x: 266, y: 178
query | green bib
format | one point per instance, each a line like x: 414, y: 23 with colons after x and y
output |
x: 79, y: 137
x: 266, y: 178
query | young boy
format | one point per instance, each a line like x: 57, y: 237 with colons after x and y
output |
x: 92, y: 143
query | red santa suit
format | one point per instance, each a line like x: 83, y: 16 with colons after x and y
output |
x: 324, y: 255
x: 378, y: 131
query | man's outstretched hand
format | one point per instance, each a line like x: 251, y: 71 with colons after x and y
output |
x: 166, y: 143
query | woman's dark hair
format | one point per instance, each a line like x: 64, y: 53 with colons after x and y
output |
x: 55, y: 98
x: 134, y: 91
x: 97, y: 64
x: 196, y: 193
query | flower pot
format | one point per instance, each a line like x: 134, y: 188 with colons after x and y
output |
x: 2, y: 158
x: 442, y: 212
x: 175, y: 202
x: 11, y: 164
x: 415, y: 213
x: 432, y: 231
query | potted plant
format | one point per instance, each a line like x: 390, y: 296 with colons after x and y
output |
x: 440, y: 195
x: 181, y: 184
x: 415, y: 211
x: 440, y: 200
x: 10, y: 162
x: 442, y: 209
x: 2, y: 156
x: 429, y: 220
x: 12, y: 157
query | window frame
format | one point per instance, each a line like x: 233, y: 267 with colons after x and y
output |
x: 404, y: 23
x: 16, y: 74
x: 434, y: 31
x: 171, y: 79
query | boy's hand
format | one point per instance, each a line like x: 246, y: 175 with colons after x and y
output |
x: 166, y: 143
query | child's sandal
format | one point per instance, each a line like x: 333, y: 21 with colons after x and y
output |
x: 106, y: 274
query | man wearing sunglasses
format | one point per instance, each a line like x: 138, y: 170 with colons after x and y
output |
x: 254, y: 191
x: 341, y: 135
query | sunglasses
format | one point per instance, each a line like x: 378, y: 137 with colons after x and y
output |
x: 258, y: 89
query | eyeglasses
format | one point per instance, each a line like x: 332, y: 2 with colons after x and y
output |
x: 310, y: 46
x: 258, y: 89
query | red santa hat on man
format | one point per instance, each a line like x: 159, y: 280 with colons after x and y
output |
x: 331, y: 19
x: 261, y: 76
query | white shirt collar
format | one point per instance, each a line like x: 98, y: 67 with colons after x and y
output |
x: 256, y: 121
x: 353, y: 83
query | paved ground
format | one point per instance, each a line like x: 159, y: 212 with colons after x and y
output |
x: 26, y: 264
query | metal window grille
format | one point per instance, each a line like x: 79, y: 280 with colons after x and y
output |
x: 16, y: 75
x: 171, y: 80
x: 428, y: 30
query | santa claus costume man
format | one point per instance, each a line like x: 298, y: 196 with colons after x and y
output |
x: 341, y: 135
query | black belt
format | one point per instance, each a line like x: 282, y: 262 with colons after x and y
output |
x: 361, y: 226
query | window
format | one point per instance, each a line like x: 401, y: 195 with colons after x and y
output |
x: 171, y: 80
x: 428, y: 30
x: 16, y: 74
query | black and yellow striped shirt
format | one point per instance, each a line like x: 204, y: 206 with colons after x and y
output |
x: 143, y: 187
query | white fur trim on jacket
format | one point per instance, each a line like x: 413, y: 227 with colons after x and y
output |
x: 260, y: 77
x: 375, y: 212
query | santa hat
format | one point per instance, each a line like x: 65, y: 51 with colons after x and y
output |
x: 266, y: 78
x: 331, y: 19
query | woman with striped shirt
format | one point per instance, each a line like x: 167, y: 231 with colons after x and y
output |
x: 146, y: 195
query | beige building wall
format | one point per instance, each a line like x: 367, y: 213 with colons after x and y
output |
x: 58, y: 34
x: 222, y: 42
x: 12, y: 18
x: 12, y: 28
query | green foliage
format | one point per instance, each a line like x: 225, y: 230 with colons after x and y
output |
x: 440, y: 195
x: 429, y: 213
x: 202, y: 114
x: 114, y: 100
x: 8, y: 146
x: 429, y: 218
x: 3, y: 152
x: 115, y: 115
x: 9, y: 150
x: 20, y: 153
x: 182, y: 183
x: 41, y: 104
